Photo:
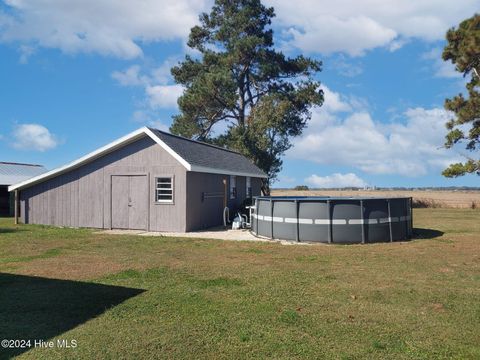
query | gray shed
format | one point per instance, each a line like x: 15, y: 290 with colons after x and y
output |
x: 147, y: 180
x: 12, y: 173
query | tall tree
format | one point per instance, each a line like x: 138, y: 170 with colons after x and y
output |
x: 261, y: 97
x: 463, y: 50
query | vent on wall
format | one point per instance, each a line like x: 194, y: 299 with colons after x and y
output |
x: 211, y: 195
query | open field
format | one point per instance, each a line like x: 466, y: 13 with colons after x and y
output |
x: 125, y: 296
x: 445, y: 199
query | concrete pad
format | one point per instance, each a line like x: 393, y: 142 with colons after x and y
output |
x: 218, y: 233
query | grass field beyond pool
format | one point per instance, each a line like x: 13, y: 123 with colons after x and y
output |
x: 158, y: 297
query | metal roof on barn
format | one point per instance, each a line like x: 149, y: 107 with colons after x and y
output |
x: 12, y: 173
x: 207, y: 155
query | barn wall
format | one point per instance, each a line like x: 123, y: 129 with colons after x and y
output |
x: 204, y: 211
x: 82, y: 197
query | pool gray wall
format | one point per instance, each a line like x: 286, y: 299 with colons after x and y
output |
x: 335, y: 220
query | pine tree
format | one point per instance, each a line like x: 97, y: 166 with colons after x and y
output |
x: 463, y: 50
x: 261, y: 97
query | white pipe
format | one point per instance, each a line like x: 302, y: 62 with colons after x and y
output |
x: 245, y: 220
x: 225, y: 218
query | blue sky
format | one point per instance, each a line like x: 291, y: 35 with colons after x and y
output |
x: 75, y: 78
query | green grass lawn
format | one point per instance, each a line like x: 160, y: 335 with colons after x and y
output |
x: 158, y: 297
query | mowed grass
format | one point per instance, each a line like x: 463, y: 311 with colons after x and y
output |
x: 157, y: 297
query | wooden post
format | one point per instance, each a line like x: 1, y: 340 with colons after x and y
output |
x: 16, y: 206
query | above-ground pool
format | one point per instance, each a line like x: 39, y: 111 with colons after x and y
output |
x: 333, y: 220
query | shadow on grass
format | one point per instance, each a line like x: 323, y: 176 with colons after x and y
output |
x: 419, y: 233
x: 41, y: 308
x: 10, y: 230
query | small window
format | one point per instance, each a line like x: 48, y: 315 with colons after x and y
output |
x: 248, y: 189
x: 164, y: 190
x: 233, y: 187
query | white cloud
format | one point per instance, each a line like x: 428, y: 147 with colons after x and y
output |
x: 156, y: 83
x: 354, y: 27
x: 441, y: 69
x: 148, y: 117
x: 408, y: 147
x: 334, y: 102
x: 447, y: 70
x: 397, y: 44
x: 343, y: 67
x: 352, y: 35
x: 25, y: 52
x: 158, y: 124
x: 162, y: 74
x: 121, y: 28
x: 163, y: 96
x: 336, y: 180
x: 33, y: 137
x: 141, y: 116
x: 285, y: 179
x: 107, y: 27
x: 159, y: 92
x: 129, y: 77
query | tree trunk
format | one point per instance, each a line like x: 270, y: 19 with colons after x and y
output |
x: 265, y: 187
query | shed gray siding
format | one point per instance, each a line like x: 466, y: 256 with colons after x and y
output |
x: 204, y: 211
x: 82, y: 197
x: 256, y: 186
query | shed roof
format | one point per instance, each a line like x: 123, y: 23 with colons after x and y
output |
x: 193, y: 155
x: 12, y: 173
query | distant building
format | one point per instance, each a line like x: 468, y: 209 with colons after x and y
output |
x: 12, y: 173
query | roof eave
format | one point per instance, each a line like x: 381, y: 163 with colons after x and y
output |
x: 204, y: 169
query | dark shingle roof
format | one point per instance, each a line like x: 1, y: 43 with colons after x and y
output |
x: 206, y: 155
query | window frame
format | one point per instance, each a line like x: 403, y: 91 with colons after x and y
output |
x: 248, y: 187
x: 172, y: 189
x: 233, y: 187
